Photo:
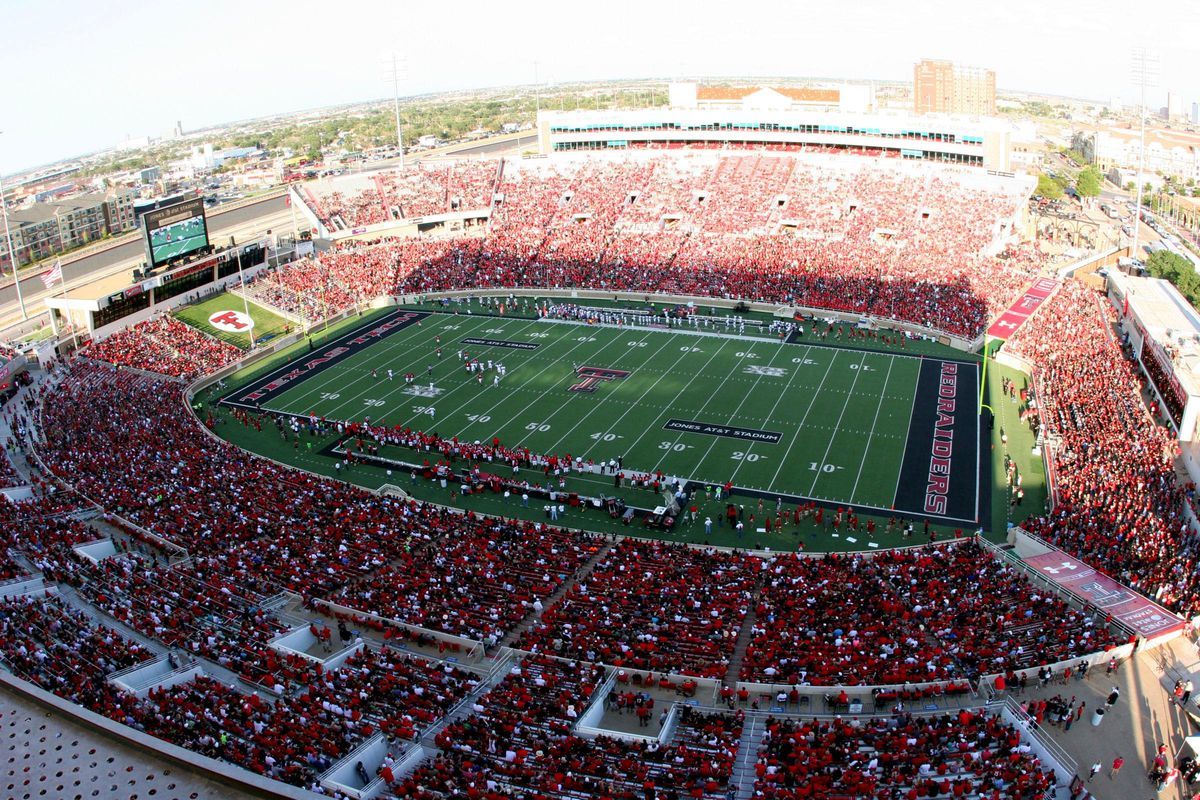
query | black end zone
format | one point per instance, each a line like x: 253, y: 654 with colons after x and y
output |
x: 940, y: 475
x: 318, y: 360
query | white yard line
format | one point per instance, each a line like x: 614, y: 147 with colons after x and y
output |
x: 749, y: 392
x: 882, y: 396
x: 778, y: 400
x: 800, y: 428
x: 698, y: 411
x: 678, y: 394
x: 556, y: 362
x: 838, y: 424
x: 265, y: 379
x: 365, y: 355
x: 415, y: 367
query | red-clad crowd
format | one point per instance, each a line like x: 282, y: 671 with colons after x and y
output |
x: 653, y: 606
x: 929, y: 614
x: 303, y: 288
x: 1120, y: 505
x: 48, y: 643
x: 903, y: 757
x: 518, y: 743
x: 417, y: 190
x: 164, y: 345
x: 478, y: 582
x: 294, y: 738
x: 908, y: 244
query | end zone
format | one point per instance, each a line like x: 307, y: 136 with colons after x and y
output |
x: 940, y: 476
x: 305, y: 366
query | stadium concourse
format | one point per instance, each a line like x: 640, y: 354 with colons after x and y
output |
x: 299, y: 629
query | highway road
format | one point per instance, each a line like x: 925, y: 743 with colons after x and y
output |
x: 492, y: 147
x: 273, y: 213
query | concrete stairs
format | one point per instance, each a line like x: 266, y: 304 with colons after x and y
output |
x: 514, y: 635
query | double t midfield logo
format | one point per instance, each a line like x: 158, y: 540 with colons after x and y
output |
x: 594, y: 376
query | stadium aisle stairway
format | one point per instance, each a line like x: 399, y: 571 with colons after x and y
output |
x: 584, y: 571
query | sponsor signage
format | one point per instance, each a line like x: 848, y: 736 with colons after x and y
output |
x: 728, y: 431
x: 1141, y: 614
x: 502, y: 343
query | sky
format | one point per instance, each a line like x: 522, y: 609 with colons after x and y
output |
x: 83, y: 76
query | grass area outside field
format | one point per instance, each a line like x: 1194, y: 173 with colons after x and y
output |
x: 267, y: 324
x: 1021, y: 442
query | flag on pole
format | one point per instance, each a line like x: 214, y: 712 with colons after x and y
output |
x: 54, y: 275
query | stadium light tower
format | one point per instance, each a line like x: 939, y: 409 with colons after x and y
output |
x: 396, y: 108
x: 1144, y: 70
x: 537, y: 91
x: 245, y: 295
x: 12, y: 254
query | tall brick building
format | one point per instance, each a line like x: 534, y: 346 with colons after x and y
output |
x: 942, y: 87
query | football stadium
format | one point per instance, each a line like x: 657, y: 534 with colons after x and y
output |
x: 680, y: 458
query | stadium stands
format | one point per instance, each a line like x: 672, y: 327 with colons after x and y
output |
x: 1120, y: 504
x: 519, y: 741
x: 971, y: 754
x: 912, y: 245
x: 418, y: 190
x: 166, y: 346
x: 653, y: 606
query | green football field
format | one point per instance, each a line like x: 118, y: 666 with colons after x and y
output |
x: 797, y: 420
x: 267, y: 324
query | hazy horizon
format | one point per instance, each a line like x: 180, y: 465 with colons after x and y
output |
x: 104, y: 75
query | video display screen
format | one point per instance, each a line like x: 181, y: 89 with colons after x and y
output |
x: 175, y: 231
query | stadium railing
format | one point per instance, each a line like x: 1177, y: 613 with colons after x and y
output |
x: 473, y: 650
x: 1046, y: 749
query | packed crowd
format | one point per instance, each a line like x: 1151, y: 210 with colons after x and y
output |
x: 478, y: 582
x: 1120, y: 505
x: 417, y: 190
x: 518, y: 743
x: 292, y: 738
x: 929, y: 615
x: 971, y: 754
x: 950, y: 612
x: 164, y: 345
x: 653, y: 606
x: 916, y: 246
x: 304, y: 288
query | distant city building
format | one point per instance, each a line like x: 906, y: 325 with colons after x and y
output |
x: 44, y: 229
x: 134, y: 143
x: 29, y: 185
x: 942, y: 87
x: 1168, y: 152
x: 204, y: 159
x: 1174, y: 106
x: 1195, y: 118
